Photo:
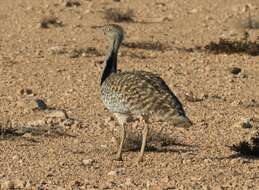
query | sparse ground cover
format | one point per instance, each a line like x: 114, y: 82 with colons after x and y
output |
x: 54, y: 130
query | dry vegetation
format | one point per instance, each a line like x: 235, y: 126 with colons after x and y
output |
x: 248, y: 149
x: 54, y: 130
x: 117, y: 15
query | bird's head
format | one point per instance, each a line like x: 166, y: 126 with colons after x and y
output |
x: 113, y: 32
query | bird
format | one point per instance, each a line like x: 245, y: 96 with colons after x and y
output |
x: 136, y: 93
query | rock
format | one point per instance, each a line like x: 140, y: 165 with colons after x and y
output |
x: 60, y: 188
x: 7, y: 185
x: 192, y: 98
x: 19, y: 184
x: 40, y: 104
x: 26, y: 92
x: 118, y: 171
x: 128, y: 182
x: 72, y: 3
x: 15, y: 157
x: 193, y: 11
x: 28, y: 185
x: 246, y: 124
x: 166, y: 179
x: 88, y: 162
x: 113, y: 173
x: 235, y: 70
x: 56, y: 50
x: 57, y: 114
x: 76, y: 185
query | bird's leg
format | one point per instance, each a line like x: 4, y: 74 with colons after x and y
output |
x: 122, y: 119
x: 122, y: 138
x: 144, y: 139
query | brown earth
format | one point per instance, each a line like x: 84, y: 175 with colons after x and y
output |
x: 60, y: 60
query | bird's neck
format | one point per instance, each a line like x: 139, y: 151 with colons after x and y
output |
x: 110, y: 61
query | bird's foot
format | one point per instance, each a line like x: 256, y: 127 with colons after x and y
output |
x: 140, y: 159
x: 117, y: 157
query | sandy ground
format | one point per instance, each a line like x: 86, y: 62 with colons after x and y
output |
x: 41, y: 151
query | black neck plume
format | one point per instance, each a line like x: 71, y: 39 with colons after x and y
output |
x: 111, y: 65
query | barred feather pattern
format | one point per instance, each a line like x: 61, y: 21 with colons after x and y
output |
x: 141, y: 93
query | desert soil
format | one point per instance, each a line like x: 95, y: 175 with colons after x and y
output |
x: 61, y: 64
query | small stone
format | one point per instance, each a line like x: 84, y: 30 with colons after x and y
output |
x: 193, y: 11
x: 246, y: 124
x: 27, y: 136
x: 165, y: 179
x: 88, y: 162
x: 16, y: 157
x: 119, y: 171
x: 72, y: 3
x: 128, y: 182
x: 7, y: 185
x: 18, y: 183
x: 26, y: 92
x: 113, y: 173
x: 56, y: 50
x: 235, y: 70
x: 60, y: 188
x: 57, y: 114
x: 41, y: 104
x: 28, y: 185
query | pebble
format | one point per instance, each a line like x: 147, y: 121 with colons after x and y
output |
x: 235, y: 70
x: 19, y: 184
x: 246, y: 124
x: 113, y: 173
x: 193, y: 11
x: 26, y: 92
x: 57, y: 114
x: 56, y: 50
x: 7, y: 185
x: 119, y: 171
x: 88, y: 162
x: 128, y: 182
x: 41, y: 104
x: 72, y: 3
x: 166, y: 179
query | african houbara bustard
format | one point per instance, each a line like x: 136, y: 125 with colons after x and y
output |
x: 132, y: 94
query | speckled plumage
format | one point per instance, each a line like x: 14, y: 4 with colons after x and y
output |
x: 137, y: 93
x: 141, y: 93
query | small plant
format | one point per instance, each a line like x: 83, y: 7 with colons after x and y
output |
x: 116, y: 15
x: 157, y: 46
x: 247, y: 149
x: 72, y: 3
x: 86, y: 52
x: 228, y: 46
x: 47, y: 21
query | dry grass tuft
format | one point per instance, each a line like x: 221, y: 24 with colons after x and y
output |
x: 86, y: 52
x: 155, y: 46
x: 72, y: 3
x: 227, y: 46
x: 47, y: 21
x: 117, y: 15
x: 247, y: 149
x: 230, y: 47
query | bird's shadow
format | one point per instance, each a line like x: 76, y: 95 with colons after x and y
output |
x: 157, y: 142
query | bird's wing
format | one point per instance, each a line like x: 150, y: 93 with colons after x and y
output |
x: 139, y: 92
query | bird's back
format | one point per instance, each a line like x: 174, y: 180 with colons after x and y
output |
x: 142, y: 93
